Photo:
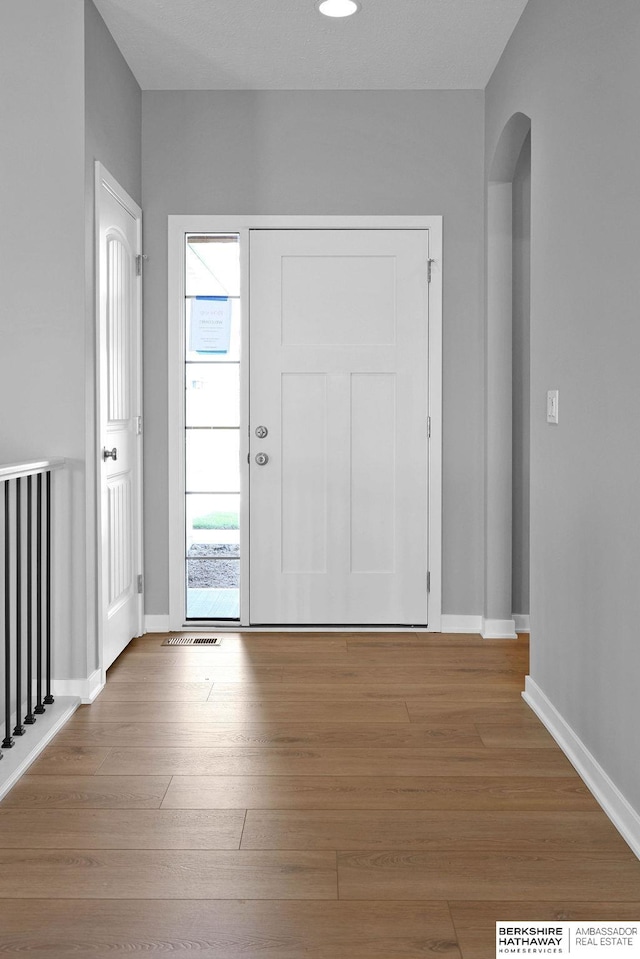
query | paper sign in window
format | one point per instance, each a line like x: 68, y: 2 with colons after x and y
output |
x: 210, y: 324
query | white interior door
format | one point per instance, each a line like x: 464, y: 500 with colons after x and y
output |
x: 119, y: 414
x: 338, y: 378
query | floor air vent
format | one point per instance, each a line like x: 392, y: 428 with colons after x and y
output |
x: 193, y: 641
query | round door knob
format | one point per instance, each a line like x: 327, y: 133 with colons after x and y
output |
x: 261, y: 432
x: 262, y: 459
x: 110, y: 454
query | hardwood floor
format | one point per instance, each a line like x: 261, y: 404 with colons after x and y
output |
x: 369, y: 796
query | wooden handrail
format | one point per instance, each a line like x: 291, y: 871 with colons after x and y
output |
x: 17, y: 470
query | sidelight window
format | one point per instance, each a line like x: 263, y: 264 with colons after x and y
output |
x: 212, y: 426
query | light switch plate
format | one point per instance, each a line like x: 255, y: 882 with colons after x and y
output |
x: 552, y: 406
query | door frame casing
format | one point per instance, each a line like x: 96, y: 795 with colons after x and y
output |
x: 178, y: 227
x: 105, y: 181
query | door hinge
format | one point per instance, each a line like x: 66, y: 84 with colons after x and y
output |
x: 428, y: 427
x: 139, y: 582
x: 428, y: 582
x: 138, y: 425
x: 429, y: 268
x: 139, y: 258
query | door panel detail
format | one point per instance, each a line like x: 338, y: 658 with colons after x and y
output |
x: 118, y: 325
x: 373, y: 472
x: 120, y: 539
x: 338, y: 301
x: 304, y: 473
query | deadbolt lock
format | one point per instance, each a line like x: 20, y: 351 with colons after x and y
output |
x: 261, y: 432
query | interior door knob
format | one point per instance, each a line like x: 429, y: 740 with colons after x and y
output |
x: 262, y: 459
x: 110, y: 454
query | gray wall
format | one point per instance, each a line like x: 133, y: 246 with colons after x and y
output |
x: 521, y: 379
x: 42, y: 381
x: 113, y: 108
x: 573, y: 67
x: 327, y: 153
x: 113, y: 135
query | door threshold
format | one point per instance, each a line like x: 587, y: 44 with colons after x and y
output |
x: 239, y: 628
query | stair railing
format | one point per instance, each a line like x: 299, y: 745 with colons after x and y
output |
x: 25, y: 650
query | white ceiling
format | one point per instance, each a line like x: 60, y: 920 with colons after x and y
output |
x: 288, y: 45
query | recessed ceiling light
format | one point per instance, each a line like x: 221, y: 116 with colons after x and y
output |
x: 338, y: 8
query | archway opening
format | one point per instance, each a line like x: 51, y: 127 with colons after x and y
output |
x: 506, y: 395
x: 520, y: 353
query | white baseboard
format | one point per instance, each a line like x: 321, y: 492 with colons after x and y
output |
x: 623, y: 816
x: 498, y: 629
x: 488, y: 628
x: 27, y: 748
x: 450, y: 623
x: 205, y: 626
x: 453, y: 623
x: 85, y: 689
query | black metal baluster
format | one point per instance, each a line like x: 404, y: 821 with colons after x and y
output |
x: 7, y: 742
x: 18, y: 729
x: 29, y: 719
x: 6, y: 638
x: 39, y: 708
x: 48, y: 698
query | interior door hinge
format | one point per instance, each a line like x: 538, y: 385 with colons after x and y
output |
x: 429, y: 268
x: 139, y: 258
x: 139, y: 582
x: 138, y: 425
x: 428, y: 427
x: 428, y: 582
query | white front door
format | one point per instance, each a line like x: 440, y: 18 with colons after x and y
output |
x: 119, y: 319
x: 338, y: 379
